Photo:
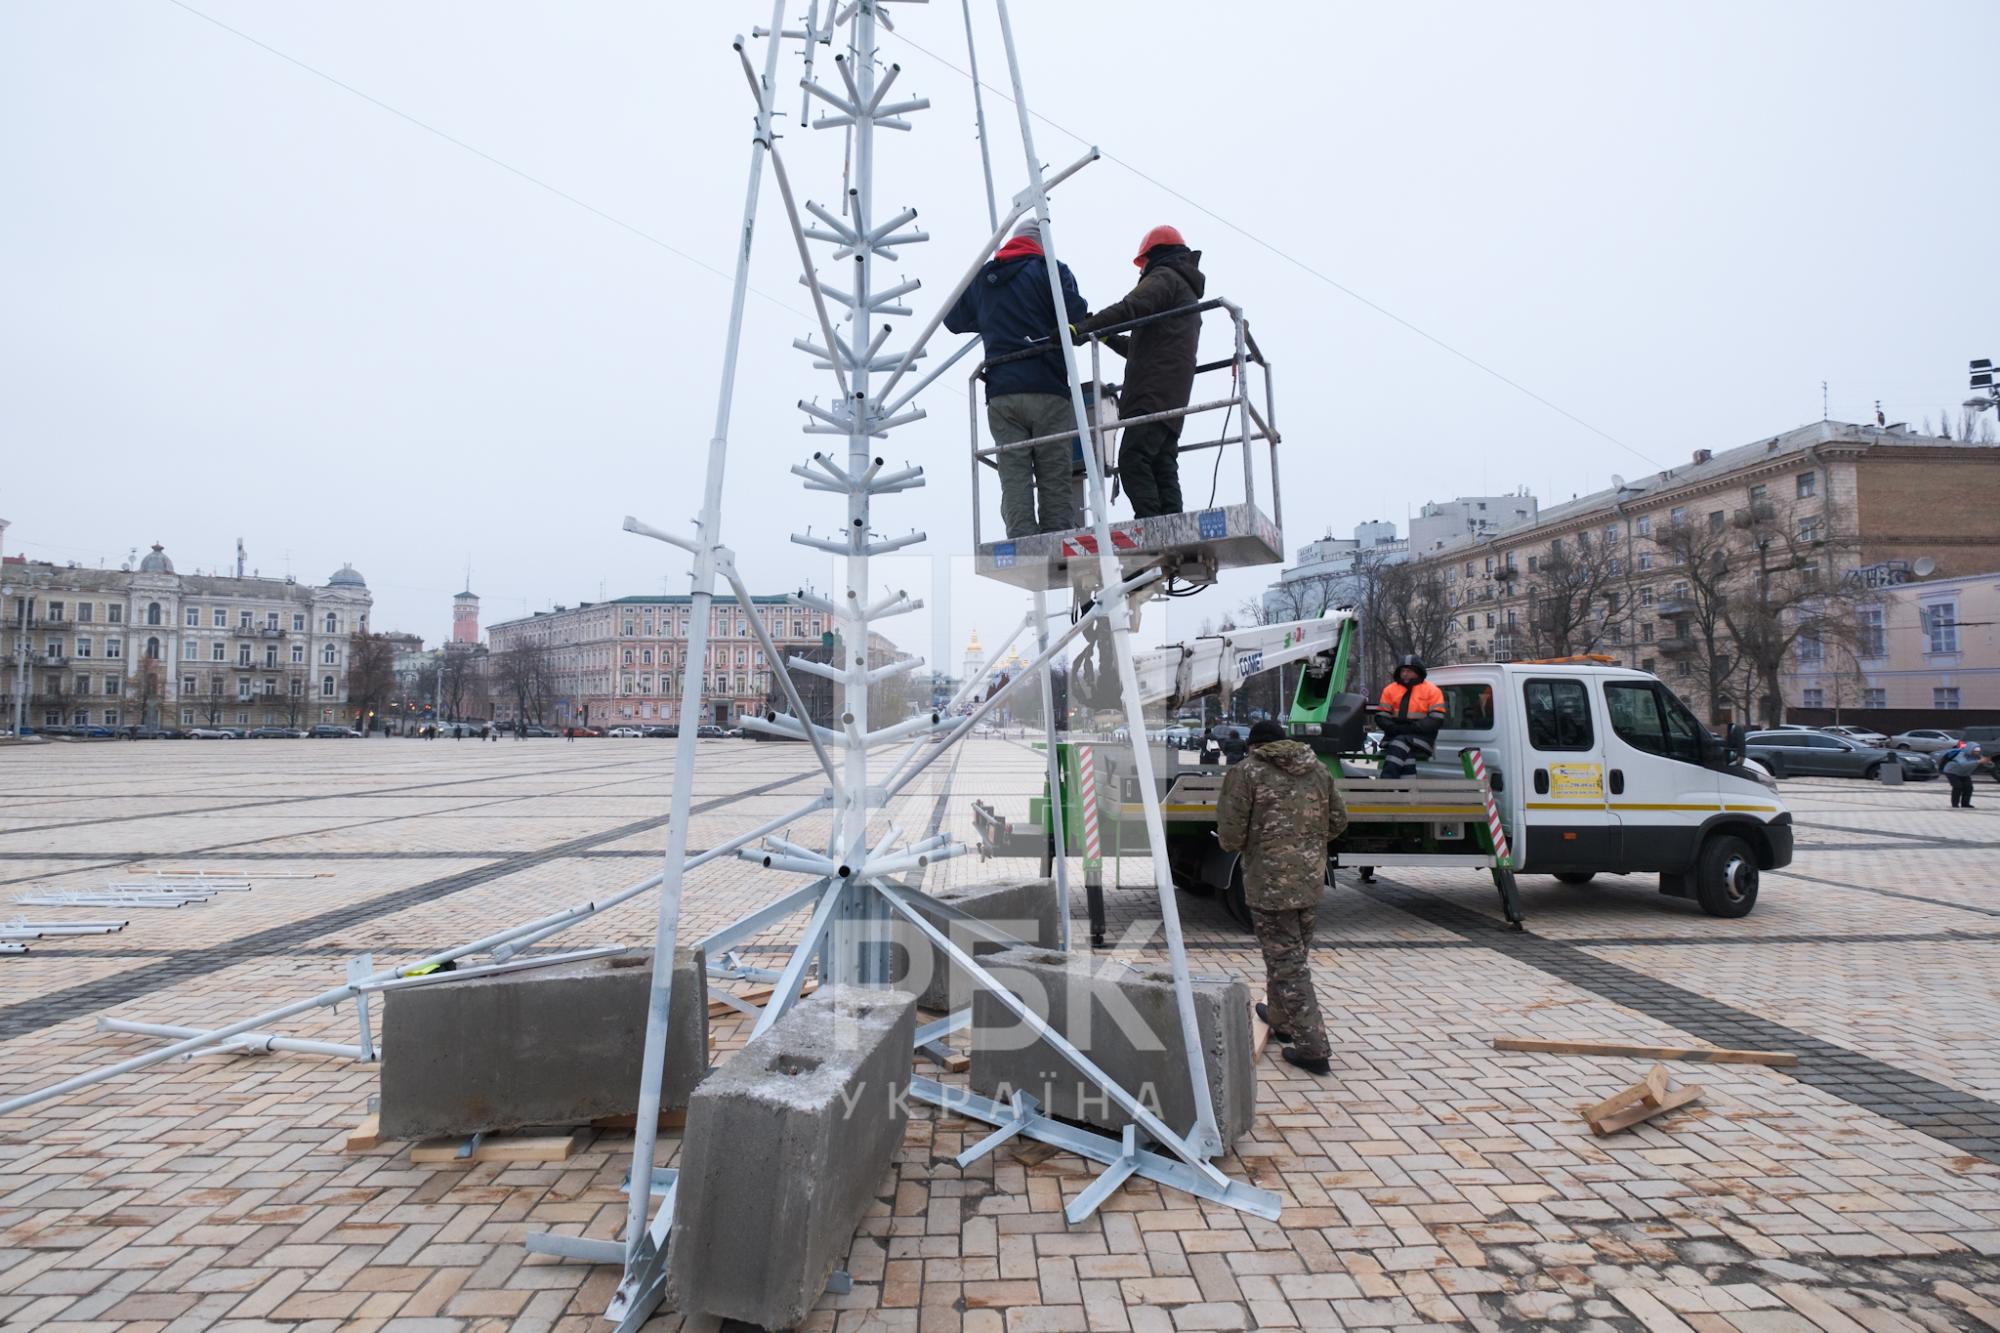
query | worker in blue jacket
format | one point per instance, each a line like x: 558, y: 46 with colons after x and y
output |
x: 1008, y: 305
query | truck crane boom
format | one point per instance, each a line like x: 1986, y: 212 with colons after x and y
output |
x: 1178, y: 672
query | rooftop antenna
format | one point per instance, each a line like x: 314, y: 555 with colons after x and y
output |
x: 1825, y: 414
x: 239, y: 557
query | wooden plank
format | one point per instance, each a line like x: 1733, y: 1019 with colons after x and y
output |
x: 1260, y: 1035
x: 756, y: 995
x: 1648, y: 1091
x: 537, y: 1148
x: 668, y: 1120
x: 365, y: 1135
x: 958, y: 1062
x: 1625, y: 1119
x: 1716, y: 1055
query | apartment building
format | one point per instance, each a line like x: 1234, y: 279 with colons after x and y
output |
x: 149, y: 646
x: 616, y: 662
x: 1830, y: 524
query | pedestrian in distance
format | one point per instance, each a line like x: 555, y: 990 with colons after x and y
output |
x: 1410, y: 714
x: 1959, y: 765
x: 1159, y: 367
x: 1007, y: 304
x: 1279, y: 809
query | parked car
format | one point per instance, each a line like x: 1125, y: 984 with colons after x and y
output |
x: 333, y: 731
x: 1799, y: 753
x: 155, y: 733
x: 625, y: 733
x: 709, y: 731
x: 533, y: 730
x: 668, y: 732
x: 1861, y: 734
x: 275, y: 733
x: 211, y: 734
x: 1924, y: 740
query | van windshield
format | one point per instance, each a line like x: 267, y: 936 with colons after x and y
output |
x: 1468, y: 707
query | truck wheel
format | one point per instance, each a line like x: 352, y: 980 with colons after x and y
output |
x: 1578, y: 877
x: 1725, y: 877
x: 1234, y: 900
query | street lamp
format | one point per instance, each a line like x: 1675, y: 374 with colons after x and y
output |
x: 1986, y: 393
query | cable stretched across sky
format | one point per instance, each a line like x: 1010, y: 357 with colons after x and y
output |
x: 927, y: 53
x: 1289, y: 258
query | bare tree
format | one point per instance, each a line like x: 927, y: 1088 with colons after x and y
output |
x: 371, y: 674
x: 1404, y: 608
x: 1698, y: 560
x: 1789, y: 602
x: 458, y: 678
x: 1568, y: 596
x: 526, y: 674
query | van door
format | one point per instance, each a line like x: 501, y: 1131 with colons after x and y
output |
x: 1660, y: 791
x: 1569, y: 822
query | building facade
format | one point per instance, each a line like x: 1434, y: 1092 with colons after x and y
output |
x: 148, y: 646
x: 1925, y: 646
x: 1739, y: 577
x: 618, y: 662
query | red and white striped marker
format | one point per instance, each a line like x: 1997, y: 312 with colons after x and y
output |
x: 1086, y: 770
x: 1500, y: 856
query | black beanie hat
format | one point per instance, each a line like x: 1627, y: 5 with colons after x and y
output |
x: 1266, y: 731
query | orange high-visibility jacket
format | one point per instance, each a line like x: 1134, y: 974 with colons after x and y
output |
x: 1414, y: 702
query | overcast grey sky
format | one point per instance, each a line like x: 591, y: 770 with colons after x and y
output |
x: 239, y: 300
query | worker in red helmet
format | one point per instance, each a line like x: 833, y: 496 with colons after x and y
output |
x: 1159, y: 366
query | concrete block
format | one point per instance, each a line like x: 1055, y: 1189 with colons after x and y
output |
x: 1125, y: 1019
x: 788, y: 1145
x: 557, y: 1045
x: 1025, y: 908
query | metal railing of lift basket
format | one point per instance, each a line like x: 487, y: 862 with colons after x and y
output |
x: 1253, y: 425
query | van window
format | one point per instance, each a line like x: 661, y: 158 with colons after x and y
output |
x: 1468, y: 707
x: 1558, y: 715
x: 1647, y: 719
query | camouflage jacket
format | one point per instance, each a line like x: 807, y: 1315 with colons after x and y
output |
x: 1280, y: 810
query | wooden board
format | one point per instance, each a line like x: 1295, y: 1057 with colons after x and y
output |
x: 668, y: 1120
x: 1642, y: 1109
x: 1260, y: 1035
x: 538, y: 1148
x: 755, y: 995
x: 1718, y: 1055
x: 958, y: 1062
x: 365, y: 1135
x: 1649, y: 1091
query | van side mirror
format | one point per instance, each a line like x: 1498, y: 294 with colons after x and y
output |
x: 1733, y: 745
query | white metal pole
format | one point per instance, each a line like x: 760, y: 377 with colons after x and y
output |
x: 1117, y: 611
x: 667, y: 927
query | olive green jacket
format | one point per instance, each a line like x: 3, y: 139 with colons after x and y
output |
x: 1280, y: 810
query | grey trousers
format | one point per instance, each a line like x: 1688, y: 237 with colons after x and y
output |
x: 1041, y: 471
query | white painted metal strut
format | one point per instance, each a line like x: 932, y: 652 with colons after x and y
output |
x: 1205, y: 1132
x: 642, y: 1284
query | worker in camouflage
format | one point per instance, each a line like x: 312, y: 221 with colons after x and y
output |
x: 1279, y: 809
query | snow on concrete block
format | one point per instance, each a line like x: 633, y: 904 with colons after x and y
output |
x: 1126, y: 1020
x: 788, y: 1145
x: 557, y: 1045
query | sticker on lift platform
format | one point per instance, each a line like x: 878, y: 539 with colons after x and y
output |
x: 1248, y: 665
x: 1003, y: 555
x: 1576, y: 782
x: 1214, y: 525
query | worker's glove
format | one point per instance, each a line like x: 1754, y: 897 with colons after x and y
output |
x: 1077, y: 336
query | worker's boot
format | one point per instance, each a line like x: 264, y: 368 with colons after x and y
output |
x: 1312, y: 1064
x: 1277, y: 1034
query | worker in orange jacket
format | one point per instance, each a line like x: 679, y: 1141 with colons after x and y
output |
x: 1410, y: 714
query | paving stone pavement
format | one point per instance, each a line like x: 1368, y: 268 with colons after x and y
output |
x: 1429, y: 1182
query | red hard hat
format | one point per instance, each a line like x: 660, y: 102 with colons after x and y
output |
x: 1157, y: 236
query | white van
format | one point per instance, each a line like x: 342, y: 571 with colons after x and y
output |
x: 1602, y: 770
